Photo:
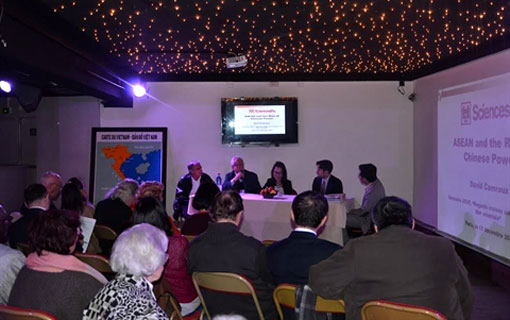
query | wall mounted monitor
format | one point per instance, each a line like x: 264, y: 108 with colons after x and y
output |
x: 259, y: 120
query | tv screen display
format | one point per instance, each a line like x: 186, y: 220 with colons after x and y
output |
x: 259, y: 120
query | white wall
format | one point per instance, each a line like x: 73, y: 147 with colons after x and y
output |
x: 62, y: 144
x: 425, y: 125
x: 346, y: 122
x: 63, y: 135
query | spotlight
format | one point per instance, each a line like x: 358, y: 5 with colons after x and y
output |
x: 5, y: 86
x: 139, y: 90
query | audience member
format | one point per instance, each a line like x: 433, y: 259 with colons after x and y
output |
x: 115, y: 210
x: 151, y: 189
x: 72, y: 199
x: 138, y: 257
x: 150, y: 210
x: 155, y: 189
x: 289, y: 260
x: 374, y: 191
x: 36, y: 201
x: 198, y: 222
x: 279, y: 179
x: 396, y: 264
x: 53, y: 183
x: 222, y: 248
x: 52, y: 279
x: 11, y: 261
x: 88, y: 208
x: 325, y: 182
x: 5, y: 224
x: 187, y: 186
x: 240, y: 179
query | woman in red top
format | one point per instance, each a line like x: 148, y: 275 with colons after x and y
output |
x: 150, y: 210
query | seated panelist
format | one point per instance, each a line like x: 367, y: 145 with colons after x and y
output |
x: 279, y: 179
x: 188, y: 185
x: 241, y: 179
x: 325, y: 182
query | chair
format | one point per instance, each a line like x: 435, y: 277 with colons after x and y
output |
x: 106, y: 237
x: 168, y: 303
x: 285, y: 294
x: 97, y: 262
x: 267, y: 242
x: 223, y: 282
x: 190, y: 238
x: 103, y: 232
x: 381, y: 310
x: 16, y: 313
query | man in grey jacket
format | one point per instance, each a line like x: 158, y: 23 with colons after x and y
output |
x: 374, y: 191
x: 396, y: 264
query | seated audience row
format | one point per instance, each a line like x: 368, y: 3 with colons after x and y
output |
x: 395, y: 263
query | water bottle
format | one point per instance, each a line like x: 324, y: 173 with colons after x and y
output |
x: 218, y: 179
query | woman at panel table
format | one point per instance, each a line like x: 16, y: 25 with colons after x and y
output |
x: 279, y: 179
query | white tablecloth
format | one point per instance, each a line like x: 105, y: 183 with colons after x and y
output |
x: 269, y: 219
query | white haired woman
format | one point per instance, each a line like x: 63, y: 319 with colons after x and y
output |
x: 138, y: 257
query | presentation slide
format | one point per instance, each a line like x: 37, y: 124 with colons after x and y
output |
x: 474, y: 164
x: 259, y: 119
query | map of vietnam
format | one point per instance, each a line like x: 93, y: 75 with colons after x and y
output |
x: 119, y: 154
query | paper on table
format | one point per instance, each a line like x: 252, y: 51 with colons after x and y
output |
x: 87, y: 226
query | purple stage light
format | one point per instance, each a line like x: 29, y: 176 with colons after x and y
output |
x: 5, y: 86
x: 139, y: 90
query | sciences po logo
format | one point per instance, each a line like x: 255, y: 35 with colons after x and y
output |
x: 465, y: 113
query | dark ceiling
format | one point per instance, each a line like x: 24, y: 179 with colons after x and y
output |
x: 185, y: 40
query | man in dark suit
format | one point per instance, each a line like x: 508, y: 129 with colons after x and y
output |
x: 37, y: 200
x: 241, y: 179
x: 223, y: 248
x: 325, y: 182
x: 396, y: 264
x: 289, y: 260
x: 188, y: 185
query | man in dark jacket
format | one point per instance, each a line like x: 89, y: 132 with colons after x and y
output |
x: 289, y: 260
x: 188, y: 185
x: 223, y: 248
x: 325, y: 182
x: 241, y: 179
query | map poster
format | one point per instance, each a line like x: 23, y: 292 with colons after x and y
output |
x: 119, y: 153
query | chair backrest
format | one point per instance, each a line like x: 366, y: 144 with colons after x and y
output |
x: 267, y: 242
x: 103, y: 232
x: 96, y: 261
x: 380, y: 310
x: 15, y: 313
x: 106, y: 236
x: 285, y: 294
x: 169, y: 304
x: 224, y: 282
x: 190, y: 238
x: 166, y: 300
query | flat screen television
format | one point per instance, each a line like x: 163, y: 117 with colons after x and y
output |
x: 259, y: 120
